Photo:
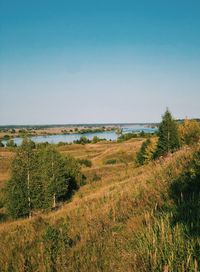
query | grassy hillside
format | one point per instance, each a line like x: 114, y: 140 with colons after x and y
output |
x: 121, y: 220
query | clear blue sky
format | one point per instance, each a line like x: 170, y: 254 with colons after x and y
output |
x: 75, y: 61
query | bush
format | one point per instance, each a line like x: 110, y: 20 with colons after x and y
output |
x: 61, y: 144
x: 85, y: 162
x: 10, y: 143
x: 126, y: 137
x: 96, y: 177
x: 1, y: 144
x: 185, y: 191
x: 111, y: 161
x: 189, y: 132
x: 6, y: 137
x: 83, y: 140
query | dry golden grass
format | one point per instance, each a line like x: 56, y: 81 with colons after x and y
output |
x: 5, y: 163
x: 104, y: 214
x: 119, y: 182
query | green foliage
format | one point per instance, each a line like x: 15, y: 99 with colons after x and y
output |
x: 127, y: 136
x: 168, y: 140
x: 189, y: 132
x: 42, y: 145
x: 185, y: 191
x: 96, y: 139
x: 142, y: 134
x: 56, y: 241
x: 162, y: 247
x: 111, y: 161
x: 132, y: 135
x: 40, y: 179
x: 146, y: 152
x: 53, y: 176
x: 32, y: 144
x: 85, y: 162
x: 83, y: 140
x: 10, y: 143
x: 6, y: 137
x: 72, y: 168
x: 96, y: 177
x: 23, y: 177
x: 1, y: 144
x: 62, y: 144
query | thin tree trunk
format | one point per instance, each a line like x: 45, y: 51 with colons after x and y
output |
x: 168, y: 134
x: 29, y: 198
x: 54, y: 200
x: 54, y: 195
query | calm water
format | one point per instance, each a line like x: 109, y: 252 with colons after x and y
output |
x: 69, y: 138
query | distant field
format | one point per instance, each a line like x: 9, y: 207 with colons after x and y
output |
x: 97, y: 153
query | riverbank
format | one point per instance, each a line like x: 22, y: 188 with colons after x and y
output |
x: 69, y: 134
x: 18, y: 132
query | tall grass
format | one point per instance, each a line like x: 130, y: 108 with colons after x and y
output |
x: 163, y: 247
x: 109, y: 226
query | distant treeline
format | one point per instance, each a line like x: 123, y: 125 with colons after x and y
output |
x: 72, y: 125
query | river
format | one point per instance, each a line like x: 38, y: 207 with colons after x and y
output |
x: 69, y: 138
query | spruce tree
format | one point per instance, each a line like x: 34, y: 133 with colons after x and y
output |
x: 140, y: 156
x: 168, y: 137
x: 146, y: 152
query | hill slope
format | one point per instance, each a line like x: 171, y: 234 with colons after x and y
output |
x: 109, y: 224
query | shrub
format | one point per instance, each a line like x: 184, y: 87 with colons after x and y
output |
x: 189, y: 132
x: 111, y: 161
x: 127, y: 136
x: 83, y: 140
x: 1, y: 144
x: 96, y: 177
x: 96, y: 139
x: 85, y: 162
x: 185, y: 191
x: 10, y: 143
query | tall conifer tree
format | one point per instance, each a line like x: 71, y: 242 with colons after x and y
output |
x: 168, y: 140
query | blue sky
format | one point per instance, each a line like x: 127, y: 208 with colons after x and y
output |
x: 98, y: 61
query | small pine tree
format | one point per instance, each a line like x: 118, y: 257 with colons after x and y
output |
x: 140, y: 159
x: 146, y: 152
x: 168, y: 137
x: 149, y: 151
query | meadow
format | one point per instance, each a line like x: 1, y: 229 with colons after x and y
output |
x: 120, y: 220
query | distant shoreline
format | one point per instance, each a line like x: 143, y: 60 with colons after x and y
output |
x: 11, y: 132
x: 95, y: 125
